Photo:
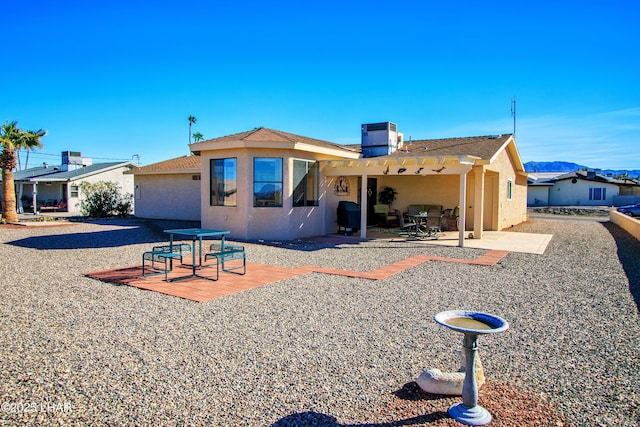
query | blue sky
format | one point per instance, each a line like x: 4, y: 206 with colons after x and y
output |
x: 113, y: 79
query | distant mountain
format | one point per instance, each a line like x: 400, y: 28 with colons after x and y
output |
x: 571, y: 167
x: 552, y: 167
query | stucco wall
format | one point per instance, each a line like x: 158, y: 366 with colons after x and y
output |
x: 330, y: 199
x: 500, y: 211
x: 270, y: 223
x: 416, y: 189
x: 115, y: 175
x: 631, y: 225
x: 513, y: 211
x: 538, y: 195
x: 567, y: 193
x: 168, y: 196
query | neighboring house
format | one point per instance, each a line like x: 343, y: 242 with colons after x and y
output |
x: 169, y: 189
x: 268, y: 184
x: 580, y: 188
x: 538, y: 187
x: 60, y: 186
x: 538, y: 192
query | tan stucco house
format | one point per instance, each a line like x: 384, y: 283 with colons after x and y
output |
x: 269, y: 184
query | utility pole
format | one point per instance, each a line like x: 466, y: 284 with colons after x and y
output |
x: 513, y: 114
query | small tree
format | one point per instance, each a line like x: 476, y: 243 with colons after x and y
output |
x: 103, y: 199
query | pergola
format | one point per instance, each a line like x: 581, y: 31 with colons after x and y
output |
x: 394, y: 165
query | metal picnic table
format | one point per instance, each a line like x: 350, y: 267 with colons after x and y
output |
x: 196, y: 234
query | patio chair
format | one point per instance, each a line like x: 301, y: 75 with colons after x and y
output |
x: 434, y: 222
x: 386, y: 216
x: 450, y: 219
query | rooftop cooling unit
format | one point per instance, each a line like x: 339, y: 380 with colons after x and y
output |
x: 71, y: 157
x: 379, y: 139
x: 72, y: 160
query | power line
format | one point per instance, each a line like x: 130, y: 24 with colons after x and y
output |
x: 39, y: 154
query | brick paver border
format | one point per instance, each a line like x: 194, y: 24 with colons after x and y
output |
x: 202, y: 290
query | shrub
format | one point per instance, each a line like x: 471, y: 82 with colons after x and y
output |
x: 387, y: 195
x: 103, y: 199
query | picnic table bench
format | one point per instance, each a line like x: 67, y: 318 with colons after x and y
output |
x: 165, y: 254
x: 223, y: 253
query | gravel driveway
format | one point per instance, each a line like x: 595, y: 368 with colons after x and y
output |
x: 315, y: 349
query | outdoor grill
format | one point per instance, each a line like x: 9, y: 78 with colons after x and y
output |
x: 348, y: 217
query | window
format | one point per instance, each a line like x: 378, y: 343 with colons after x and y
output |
x: 223, y: 182
x: 597, y: 193
x: 509, y: 189
x: 306, y: 175
x: 73, y: 192
x: 267, y: 182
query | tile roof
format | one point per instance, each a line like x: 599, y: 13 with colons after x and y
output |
x: 484, y: 147
x: 184, y: 164
x: 263, y: 134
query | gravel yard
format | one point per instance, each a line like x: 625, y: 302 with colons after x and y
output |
x: 317, y: 349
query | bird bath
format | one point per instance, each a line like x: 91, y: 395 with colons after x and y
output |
x: 471, y: 324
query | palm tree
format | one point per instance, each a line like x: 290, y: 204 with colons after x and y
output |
x: 192, y: 120
x: 13, y: 139
x: 37, y: 134
x: 198, y: 137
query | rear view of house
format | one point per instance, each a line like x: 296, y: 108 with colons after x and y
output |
x: 269, y: 184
